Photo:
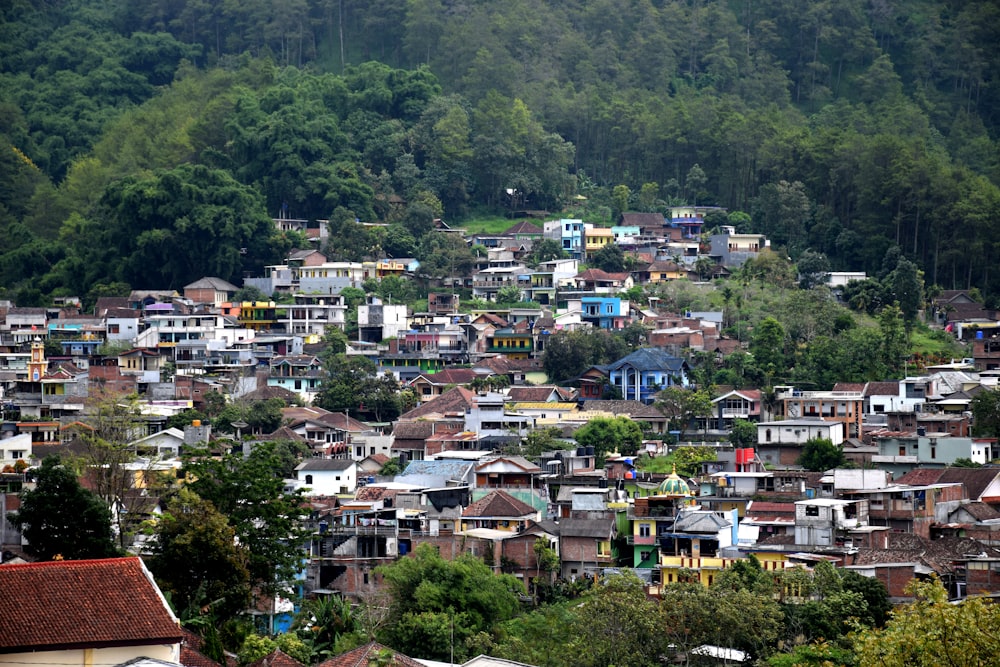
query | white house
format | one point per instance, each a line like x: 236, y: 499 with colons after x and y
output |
x: 164, y: 444
x: 327, y: 477
x: 15, y: 449
x: 799, y: 431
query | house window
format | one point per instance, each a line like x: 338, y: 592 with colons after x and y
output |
x: 644, y: 555
x: 338, y: 478
x: 902, y: 450
x: 643, y: 530
x: 812, y: 510
x: 767, y: 435
x: 366, y: 577
x: 933, y: 452
x: 309, y: 479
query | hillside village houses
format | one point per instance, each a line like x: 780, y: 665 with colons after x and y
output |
x: 462, y: 486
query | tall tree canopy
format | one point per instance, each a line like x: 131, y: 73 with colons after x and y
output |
x: 61, y: 518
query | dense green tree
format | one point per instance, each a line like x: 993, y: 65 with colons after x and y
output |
x: 768, y: 346
x: 321, y: 622
x: 610, y: 258
x: 626, y: 620
x: 813, y: 269
x: 334, y: 341
x: 174, y: 227
x: 59, y: 518
x: 720, y: 615
x: 820, y: 454
x: 261, y: 416
x: 683, y: 406
x: 509, y: 295
x: 620, y: 196
x: 545, y: 250
x: 250, y: 491
x: 444, y: 255
x: 914, y: 634
x: 986, y: 413
x: 743, y: 434
x: 905, y: 286
x: 197, y: 561
x: 782, y: 211
x: 539, y: 440
x: 608, y: 434
x: 568, y: 354
x: 437, y: 604
x: 348, y: 379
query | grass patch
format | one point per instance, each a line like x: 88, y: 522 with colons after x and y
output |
x: 935, y: 344
x: 491, y: 225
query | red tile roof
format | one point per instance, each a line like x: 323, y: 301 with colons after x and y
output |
x: 276, y: 658
x: 498, y: 504
x: 921, y: 476
x: 530, y: 394
x: 191, y: 655
x: 359, y: 657
x: 456, y: 399
x: 83, y: 604
x: 451, y: 376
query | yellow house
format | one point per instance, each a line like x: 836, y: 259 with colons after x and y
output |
x: 514, y: 344
x: 596, y: 238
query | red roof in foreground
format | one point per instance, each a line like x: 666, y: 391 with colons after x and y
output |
x: 82, y: 604
x: 359, y: 657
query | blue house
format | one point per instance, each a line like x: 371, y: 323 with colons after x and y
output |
x: 569, y: 233
x: 640, y: 375
x: 605, y: 312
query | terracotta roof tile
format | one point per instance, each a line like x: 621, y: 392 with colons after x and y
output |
x: 981, y: 511
x: 524, y: 227
x: 499, y: 504
x: 975, y: 480
x: 416, y: 430
x: 451, y: 376
x: 276, y: 658
x: 882, y: 389
x: 83, y: 604
x: 530, y: 394
x: 191, y: 655
x: 456, y: 399
x: 921, y: 476
x: 359, y: 657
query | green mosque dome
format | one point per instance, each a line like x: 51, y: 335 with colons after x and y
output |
x: 674, y: 486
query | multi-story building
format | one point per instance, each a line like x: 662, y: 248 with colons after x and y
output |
x: 842, y: 406
x: 901, y: 452
x: 596, y: 238
x: 378, y: 321
x: 311, y: 314
x: 605, y: 312
x: 330, y: 277
x: 732, y: 249
x: 513, y: 343
x: 569, y: 233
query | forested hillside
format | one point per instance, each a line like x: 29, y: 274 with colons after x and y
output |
x: 147, y: 143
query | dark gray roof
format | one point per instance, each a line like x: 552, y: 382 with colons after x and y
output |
x: 650, y: 359
x: 597, y: 528
x: 325, y: 464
